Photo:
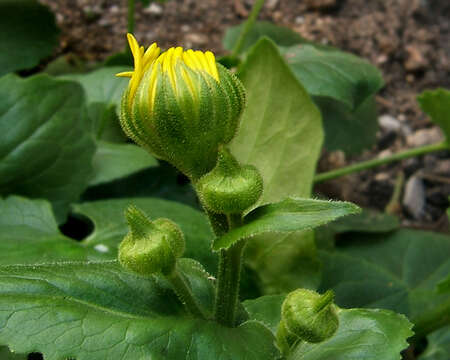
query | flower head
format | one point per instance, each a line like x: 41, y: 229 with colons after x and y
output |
x: 181, y: 105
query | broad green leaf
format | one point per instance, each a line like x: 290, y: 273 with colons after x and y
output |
x: 290, y: 215
x: 5, y: 354
x: 438, y: 345
x: 362, y: 333
x: 102, y: 86
x: 348, y: 130
x: 397, y: 271
x: 46, y: 147
x: 333, y: 73
x: 280, y: 35
x: 28, y: 34
x: 281, y: 134
x: 97, y: 311
x: 436, y: 103
x: 300, y: 265
x: 367, y: 221
x: 444, y: 285
x: 110, y: 225
x: 29, y: 235
x: 281, y: 130
x: 105, y: 124
x: 266, y: 309
x: 115, y: 161
x: 163, y: 181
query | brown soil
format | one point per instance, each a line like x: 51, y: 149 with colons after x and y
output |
x: 409, y: 40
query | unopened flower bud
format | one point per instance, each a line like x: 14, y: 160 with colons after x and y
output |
x: 150, y: 246
x: 180, y: 106
x: 308, y: 316
x: 230, y: 188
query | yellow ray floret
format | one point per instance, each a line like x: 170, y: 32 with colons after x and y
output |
x: 166, y: 62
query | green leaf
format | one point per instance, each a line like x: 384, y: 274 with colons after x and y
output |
x: 266, y: 309
x: 328, y: 72
x: 290, y: 215
x: 163, y: 181
x: 115, y: 161
x: 438, y: 345
x: 285, y: 152
x: 444, y: 285
x: 110, y: 225
x: 397, y: 271
x: 105, y: 123
x: 29, y: 235
x: 300, y: 266
x: 436, y: 103
x: 348, y: 130
x: 281, y: 131
x: 46, y: 148
x: 280, y: 35
x: 97, y: 311
x: 362, y: 334
x: 102, y: 86
x: 28, y: 34
x: 367, y: 221
x: 5, y: 354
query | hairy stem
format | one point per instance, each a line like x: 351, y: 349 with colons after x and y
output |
x: 185, y: 294
x: 227, y: 292
x: 377, y: 162
x: 257, y: 5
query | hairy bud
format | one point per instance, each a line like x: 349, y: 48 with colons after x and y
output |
x: 230, y: 188
x: 308, y: 316
x: 150, y: 246
x: 180, y: 106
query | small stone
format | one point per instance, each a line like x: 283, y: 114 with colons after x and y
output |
x: 414, y: 197
x: 153, y: 9
x: 389, y: 123
x: 196, y: 39
x: 271, y: 4
x: 384, y: 154
x: 300, y: 20
x: 415, y: 59
x: 185, y: 28
x: 425, y: 137
x: 382, y: 176
x: 114, y: 9
x: 442, y: 168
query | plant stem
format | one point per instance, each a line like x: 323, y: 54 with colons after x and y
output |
x: 130, y: 26
x: 377, y: 162
x: 227, y: 293
x: 185, y: 294
x: 257, y: 5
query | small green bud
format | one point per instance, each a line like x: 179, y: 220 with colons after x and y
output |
x: 150, y: 246
x: 180, y: 106
x: 230, y: 188
x: 308, y: 316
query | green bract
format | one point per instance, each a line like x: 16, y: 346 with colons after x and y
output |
x: 230, y: 188
x: 151, y: 246
x: 308, y: 316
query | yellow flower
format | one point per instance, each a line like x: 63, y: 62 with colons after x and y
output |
x: 181, y: 106
x: 167, y: 62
